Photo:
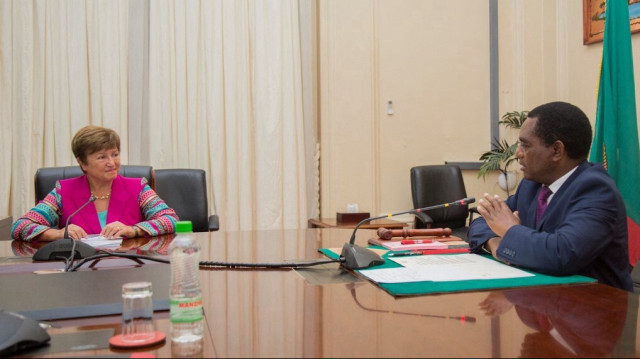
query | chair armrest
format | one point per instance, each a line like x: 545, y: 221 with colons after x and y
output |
x: 214, y: 223
x: 424, y: 218
x: 472, y: 211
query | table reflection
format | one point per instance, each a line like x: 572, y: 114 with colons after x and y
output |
x: 417, y: 313
x: 158, y: 245
x: 568, y: 321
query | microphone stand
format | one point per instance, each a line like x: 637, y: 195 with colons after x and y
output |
x: 355, y: 257
x: 66, y: 233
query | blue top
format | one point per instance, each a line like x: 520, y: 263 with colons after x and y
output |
x: 102, y: 217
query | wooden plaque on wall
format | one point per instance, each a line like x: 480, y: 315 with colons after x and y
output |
x: 593, y: 15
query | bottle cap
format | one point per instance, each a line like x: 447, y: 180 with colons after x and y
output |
x: 184, y: 226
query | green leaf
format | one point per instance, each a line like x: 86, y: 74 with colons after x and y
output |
x: 502, y: 154
x: 514, y: 119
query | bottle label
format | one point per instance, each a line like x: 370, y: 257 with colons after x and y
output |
x: 185, y: 310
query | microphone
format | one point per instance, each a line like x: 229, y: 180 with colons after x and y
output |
x: 355, y: 257
x: 66, y: 247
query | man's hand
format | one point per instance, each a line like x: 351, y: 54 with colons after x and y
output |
x: 497, y: 214
x: 492, y: 246
x: 495, y: 304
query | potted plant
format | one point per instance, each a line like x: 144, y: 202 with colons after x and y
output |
x: 502, y: 153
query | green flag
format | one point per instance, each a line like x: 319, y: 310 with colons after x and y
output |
x: 615, y: 142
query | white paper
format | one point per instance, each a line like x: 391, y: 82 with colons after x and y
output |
x: 99, y: 241
x: 443, y: 268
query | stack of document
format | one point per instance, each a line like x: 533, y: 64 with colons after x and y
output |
x: 415, y: 246
x: 443, y: 268
x: 101, y: 242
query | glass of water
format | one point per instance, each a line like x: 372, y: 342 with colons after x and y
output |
x: 137, y: 312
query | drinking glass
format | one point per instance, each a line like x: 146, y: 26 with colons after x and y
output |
x: 137, y: 312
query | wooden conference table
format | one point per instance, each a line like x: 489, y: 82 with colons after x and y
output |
x: 326, y: 312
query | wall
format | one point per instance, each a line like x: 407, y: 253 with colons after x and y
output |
x: 432, y: 60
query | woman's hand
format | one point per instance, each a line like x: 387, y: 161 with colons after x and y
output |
x: 117, y: 229
x: 75, y: 232
x: 50, y: 234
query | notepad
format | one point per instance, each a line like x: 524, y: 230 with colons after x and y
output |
x: 398, y: 246
x: 102, y: 242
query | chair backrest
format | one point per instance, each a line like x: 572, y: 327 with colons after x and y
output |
x: 46, y: 177
x: 185, y: 190
x: 436, y: 184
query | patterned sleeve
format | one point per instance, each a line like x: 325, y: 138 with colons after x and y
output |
x: 45, y: 215
x: 160, y: 218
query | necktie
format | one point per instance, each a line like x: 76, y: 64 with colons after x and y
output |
x: 544, y: 194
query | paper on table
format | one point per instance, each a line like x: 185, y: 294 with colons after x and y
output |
x: 398, y: 246
x: 99, y: 241
x: 443, y: 268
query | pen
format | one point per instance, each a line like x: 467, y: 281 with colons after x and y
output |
x: 415, y: 241
x: 445, y: 251
x: 402, y: 254
x: 430, y: 251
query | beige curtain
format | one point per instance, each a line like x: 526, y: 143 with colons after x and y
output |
x: 216, y: 85
x: 63, y: 65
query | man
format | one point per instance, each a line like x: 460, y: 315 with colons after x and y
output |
x: 582, y: 230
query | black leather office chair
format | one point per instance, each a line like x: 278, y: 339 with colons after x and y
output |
x: 185, y: 190
x: 436, y: 184
x: 46, y: 177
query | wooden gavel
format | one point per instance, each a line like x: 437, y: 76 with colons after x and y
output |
x: 384, y: 233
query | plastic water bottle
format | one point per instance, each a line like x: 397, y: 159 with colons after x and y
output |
x: 185, y: 302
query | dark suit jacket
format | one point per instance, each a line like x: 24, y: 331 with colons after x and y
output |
x: 583, y: 230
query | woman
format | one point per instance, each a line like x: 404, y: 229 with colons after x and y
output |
x: 123, y: 207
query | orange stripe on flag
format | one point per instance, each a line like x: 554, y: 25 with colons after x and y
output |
x: 634, y: 241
